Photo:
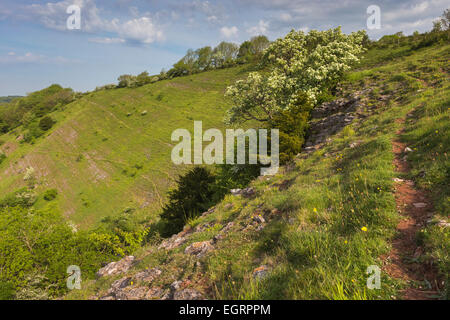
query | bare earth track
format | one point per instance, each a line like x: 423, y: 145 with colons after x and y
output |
x: 416, y: 209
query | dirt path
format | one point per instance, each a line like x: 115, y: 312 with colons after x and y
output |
x: 416, y: 209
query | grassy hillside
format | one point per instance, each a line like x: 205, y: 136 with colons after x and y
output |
x: 311, y: 231
x: 110, y: 150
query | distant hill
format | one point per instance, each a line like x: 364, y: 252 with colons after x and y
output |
x: 8, y: 99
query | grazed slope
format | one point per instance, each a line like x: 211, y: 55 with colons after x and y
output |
x: 311, y: 231
x: 110, y: 150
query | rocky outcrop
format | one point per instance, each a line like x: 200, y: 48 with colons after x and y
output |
x: 187, y: 294
x: 176, y: 240
x: 147, y: 275
x: 199, y: 249
x: 329, y: 118
x: 118, y: 267
x: 247, y: 192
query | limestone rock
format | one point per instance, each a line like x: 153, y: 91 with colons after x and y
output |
x: 117, y: 267
x: 261, y: 272
x: 187, y: 294
x: 148, y: 275
x: 199, y: 249
x: 420, y: 205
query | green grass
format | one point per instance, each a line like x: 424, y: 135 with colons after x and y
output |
x: 106, y: 154
x: 110, y: 153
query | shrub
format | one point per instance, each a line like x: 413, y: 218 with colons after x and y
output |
x: 292, y: 124
x: 46, y: 123
x: 192, y: 196
x: 50, y: 194
x: 22, y: 197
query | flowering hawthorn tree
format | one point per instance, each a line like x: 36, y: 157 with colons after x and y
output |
x: 297, y: 64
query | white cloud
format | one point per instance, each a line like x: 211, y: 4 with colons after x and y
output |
x: 403, y: 12
x: 139, y: 29
x: 286, y: 17
x: 30, y: 57
x: 259, y: 29
x: 212, y: 19
x: 107, y: 40
x: 229, y: 32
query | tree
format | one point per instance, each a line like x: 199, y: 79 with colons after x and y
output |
x: 437, y: 26
x: 292, y: 124
x: 298, y: 64
x: 443, y: 22
x: 245, y: 53
x: 126, y: 81
x: 46, y: 123
x: 224, y: 54
x: 192, y: 196
x: 143, y: 78
x: 204, y: 58
x: 259, y: 44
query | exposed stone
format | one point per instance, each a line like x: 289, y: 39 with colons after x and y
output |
x: 261, y: 272
x: 211, y: 210
x: 355, y: 144
x: 176, y: 240
x: 223, y: 232
x: 259, y: 219
x: 132, y: 293
x: 408, y: 149
x: 236, y: 192
x: 228, y: 206
x: 148, y: 275
x: 443, y: 223
x: 199, y: 249
x: 175, y: 285
x: 247, y: 192
x: 117, y: 267
x: 155, y: 293
x: 120, y: 284
x: 204, y: 226
x: 187, y: 294
x: 420, y: 205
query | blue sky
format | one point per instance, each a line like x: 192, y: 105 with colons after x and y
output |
x: 130, y: 36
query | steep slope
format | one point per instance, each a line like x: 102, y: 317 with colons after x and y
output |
x: 110, y: 150
x: 312, y: 231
